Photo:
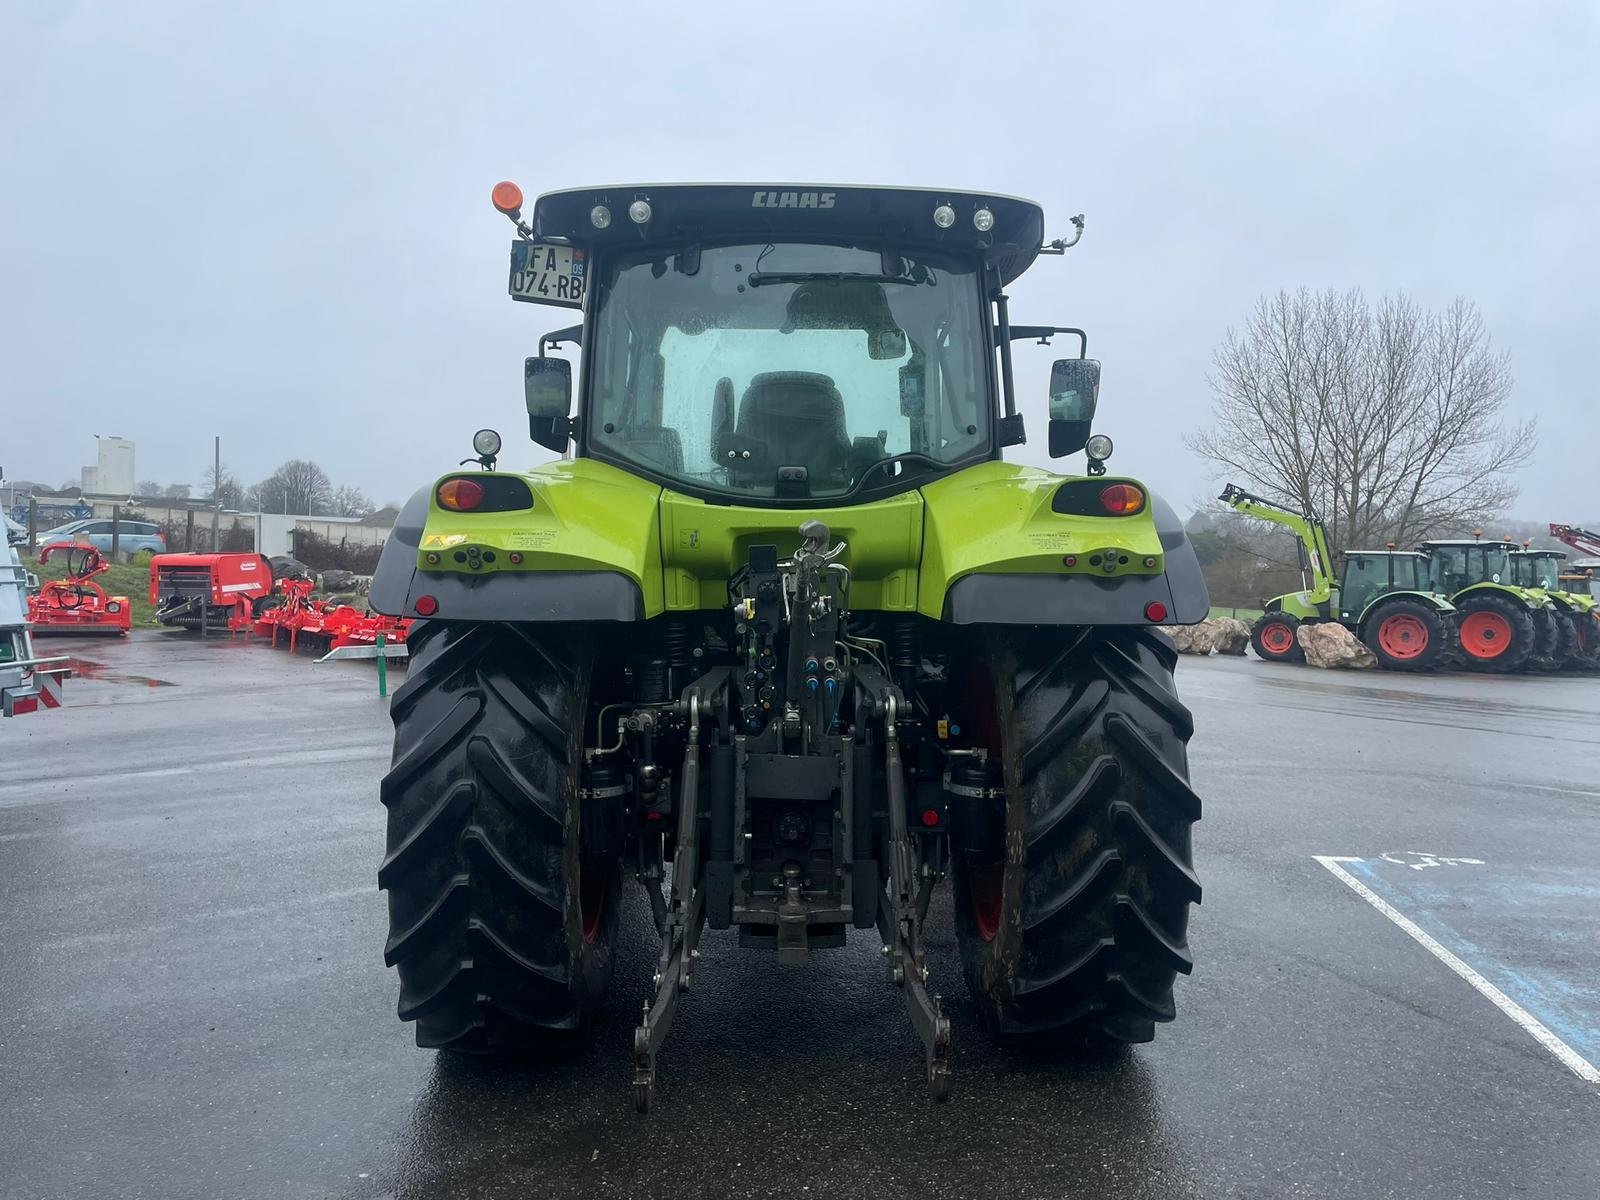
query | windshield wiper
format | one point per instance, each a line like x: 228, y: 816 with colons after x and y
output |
x: 760, y: 278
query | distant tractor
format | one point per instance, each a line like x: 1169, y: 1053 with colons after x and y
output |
x: 1577, y: 612
x: 1383, y: 598
x: 1503, y: 627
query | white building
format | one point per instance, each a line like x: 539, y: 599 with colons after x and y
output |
x: 113, y: 475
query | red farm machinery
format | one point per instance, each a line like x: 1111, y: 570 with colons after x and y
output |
x: 209, y: 591
x: 77, y: 605
x: 1584, y: 541
x: 331, y: 629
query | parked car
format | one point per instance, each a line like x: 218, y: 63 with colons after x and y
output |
x: 132, y: 536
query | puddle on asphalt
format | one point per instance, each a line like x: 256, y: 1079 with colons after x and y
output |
x: 87, y: 668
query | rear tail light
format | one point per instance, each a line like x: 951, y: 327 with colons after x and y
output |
x: 1155, y: 611
x: 426, y: 606
x: 1121, y: 499
x: 460, y: 495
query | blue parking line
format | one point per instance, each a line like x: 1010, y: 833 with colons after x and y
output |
x: 1531, y: 930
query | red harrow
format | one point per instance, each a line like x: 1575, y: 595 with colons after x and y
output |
x: 77, y: 604
x: 328, y: 629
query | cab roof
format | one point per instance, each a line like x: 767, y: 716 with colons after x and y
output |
x: 1387, y: 553
x: 897, y: 217
x: 1469, y: 542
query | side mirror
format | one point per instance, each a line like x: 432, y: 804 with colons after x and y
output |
x: 1074, y: 390
x: 886, y: 343
x: 547, y: 387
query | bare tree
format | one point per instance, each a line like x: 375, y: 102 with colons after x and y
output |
x: 1388, y: 423
x: 221, y: 487
x: 349, y: 501
x: 298, y: 486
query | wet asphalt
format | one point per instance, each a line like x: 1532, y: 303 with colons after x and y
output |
x: 193, y: 1001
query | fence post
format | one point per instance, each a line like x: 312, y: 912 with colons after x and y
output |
x: 188, y: 533
x: 116, y: 530
x: 33, y: 523
x: 383, y: 668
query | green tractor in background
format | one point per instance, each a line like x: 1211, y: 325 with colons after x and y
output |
x: 1540, y: 572
x: 1504, y: 627
x: 1383, y: 597
x: 782, y: 619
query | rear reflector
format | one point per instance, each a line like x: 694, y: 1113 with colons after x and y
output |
x: 1155, y: 611
x: 426, y: 606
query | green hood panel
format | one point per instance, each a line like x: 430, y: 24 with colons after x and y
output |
x: 586, y: 516
x: 702, y: 544
x: 995, y: 518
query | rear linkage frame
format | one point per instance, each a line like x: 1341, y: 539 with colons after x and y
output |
x: 796, y: 853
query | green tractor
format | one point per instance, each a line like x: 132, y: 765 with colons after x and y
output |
x: 782, y: 619
x: 1540, y: 571
x: 1383, y: 597
x: 1504, y: 627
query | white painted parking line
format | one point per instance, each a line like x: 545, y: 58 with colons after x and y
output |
x: 1575, y: 1062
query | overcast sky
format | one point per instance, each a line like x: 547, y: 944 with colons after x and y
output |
x: 271, y: 221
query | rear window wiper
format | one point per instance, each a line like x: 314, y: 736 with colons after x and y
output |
x: 896, y: 465
x: 759, y: 278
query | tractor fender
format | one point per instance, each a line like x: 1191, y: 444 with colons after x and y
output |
x: 1520, y: 595
x: 1435, y: 602
x: 1040, y: 599
x: 523, y: 596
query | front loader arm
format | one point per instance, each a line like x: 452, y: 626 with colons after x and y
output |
x: 1313, y: 537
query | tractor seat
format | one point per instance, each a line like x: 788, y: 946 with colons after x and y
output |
x: 798, y: 417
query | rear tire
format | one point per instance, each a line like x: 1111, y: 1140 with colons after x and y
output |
x: 1567, y: 651
x: 487, y: 917
x: 1549, y: 640
x: 1077, y: 937
x: 1496, y: 633
x: 1586, y: 640
x: 1276, y: 637
x: 1407, y: 635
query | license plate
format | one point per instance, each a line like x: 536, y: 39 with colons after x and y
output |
x: 546, y: 274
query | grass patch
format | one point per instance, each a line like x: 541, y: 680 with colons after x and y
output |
x: 1244, y: 614
x: 123, y: 579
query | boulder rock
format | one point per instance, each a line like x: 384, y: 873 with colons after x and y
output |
x: 1328, y: 644
x: 1232, y: 635
x: 1220, y: 635
x: 1188, y: 639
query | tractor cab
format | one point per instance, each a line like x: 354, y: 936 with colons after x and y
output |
x: 1455, y: 565
x: 1369, y: 574
x: 1540, y: 569
x: 778, y: 347
x: 1578, y: 578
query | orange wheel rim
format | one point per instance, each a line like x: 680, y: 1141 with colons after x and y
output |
x: 986, y: 887
x: 1277, y: 637
x: 593, y: 886
x: 1485, y: 635
x: 1403, y: 636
